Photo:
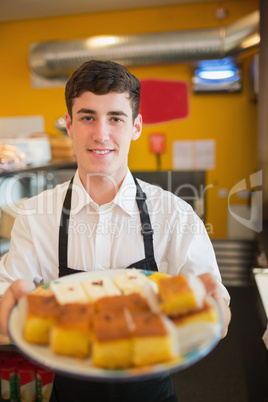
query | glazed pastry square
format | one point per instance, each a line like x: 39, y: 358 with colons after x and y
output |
x: 208, y: 314
x: 71, y: 335
x: 132, y: 302
x: 151, y: 340
x: 43, y: 312
x: 181, y: 294
x: 112, y: 348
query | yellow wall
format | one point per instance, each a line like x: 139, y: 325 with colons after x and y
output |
x: 230, y: 119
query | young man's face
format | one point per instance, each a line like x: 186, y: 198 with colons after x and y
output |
x: 102, y: 129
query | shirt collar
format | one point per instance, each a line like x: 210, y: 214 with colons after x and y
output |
x: 125, y: 198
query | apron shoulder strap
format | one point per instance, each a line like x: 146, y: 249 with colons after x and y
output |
x: 64, y: 227
x: 146, y: 227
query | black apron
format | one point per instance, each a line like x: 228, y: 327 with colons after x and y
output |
x: 158, y: 389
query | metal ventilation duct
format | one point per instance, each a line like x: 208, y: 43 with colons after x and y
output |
x: 60, y: 58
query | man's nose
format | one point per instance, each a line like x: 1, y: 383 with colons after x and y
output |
x: 101, y: 132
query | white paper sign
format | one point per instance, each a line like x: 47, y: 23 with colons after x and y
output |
x: 194, y: 155
x: 205, y: 155
x: 183, y: 156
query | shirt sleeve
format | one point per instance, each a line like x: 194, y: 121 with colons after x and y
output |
x: 21, y: 261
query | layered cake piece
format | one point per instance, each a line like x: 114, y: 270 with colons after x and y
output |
x: 99, y: 287
x: 181, y: 294
x: 197, y: 327
x: 71, y: 335
x: 207, y: 314
x: 112, y: 340
x: 43, y: 312
x: 152, y: 341
x: 132, y: 302
x: 131, y: 281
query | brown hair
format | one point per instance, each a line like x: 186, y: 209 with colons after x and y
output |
x: 101, y: 78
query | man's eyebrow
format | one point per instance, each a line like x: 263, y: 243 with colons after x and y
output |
x: 117, y: 113
x: 111, y: 113
x: 88, y: 111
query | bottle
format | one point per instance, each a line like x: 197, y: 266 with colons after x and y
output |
x: 26, y: 382
x: 44, y: 383
x: 8, y: 373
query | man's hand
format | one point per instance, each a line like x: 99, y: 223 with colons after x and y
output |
x: 15, y: 291
x: 213, y: 289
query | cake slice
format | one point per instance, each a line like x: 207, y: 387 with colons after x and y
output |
x: 181, y: 294
x: 152, y: 340
x: 157, y: 275
x: 131, y: 281
x: 132, y: 302
x: 43, y: 312
x: 112, y: 340
x: 69, y: 292
x: 198, y: 327
x: 99, y: 287
x: 71, y: 335
x: 207, y: 314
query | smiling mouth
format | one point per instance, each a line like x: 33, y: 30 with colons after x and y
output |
x: 100, y: 152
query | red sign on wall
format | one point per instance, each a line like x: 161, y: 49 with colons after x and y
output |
x: 157, y: 143
x: 163, y: 101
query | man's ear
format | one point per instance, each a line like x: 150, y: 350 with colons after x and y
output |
x: 68, y: 124
x: 137, y: 128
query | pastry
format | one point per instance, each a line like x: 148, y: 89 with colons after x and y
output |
x: 69, y: 292
x: 43, y: 312
x: 71, y: 335
x: 181, y: 294
x: 132, y: 302
x: 131, y: 281
x: 112, y: 348
x: 151, y: 339
x: 99, y: 287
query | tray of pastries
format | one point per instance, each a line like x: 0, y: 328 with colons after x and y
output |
x: 116, y: 324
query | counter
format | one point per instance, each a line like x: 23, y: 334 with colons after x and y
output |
x: 53, y: 165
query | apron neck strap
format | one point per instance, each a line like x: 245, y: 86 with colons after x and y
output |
x: 64, y: 226
x: 146, y: 228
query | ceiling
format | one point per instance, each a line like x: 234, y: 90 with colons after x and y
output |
x: 11, y: 10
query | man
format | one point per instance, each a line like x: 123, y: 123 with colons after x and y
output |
x: 105, y: 219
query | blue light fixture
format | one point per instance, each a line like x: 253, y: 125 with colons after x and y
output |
x: 217, y: 76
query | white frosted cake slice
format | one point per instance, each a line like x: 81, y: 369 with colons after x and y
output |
x: 69, y: 292
x: 131, y: 281
x: 100, y: 287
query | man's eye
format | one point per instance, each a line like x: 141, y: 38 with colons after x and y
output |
x: 87, y: 118
x: 116, y: 119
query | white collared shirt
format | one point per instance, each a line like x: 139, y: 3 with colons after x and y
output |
x: 107, y: 236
